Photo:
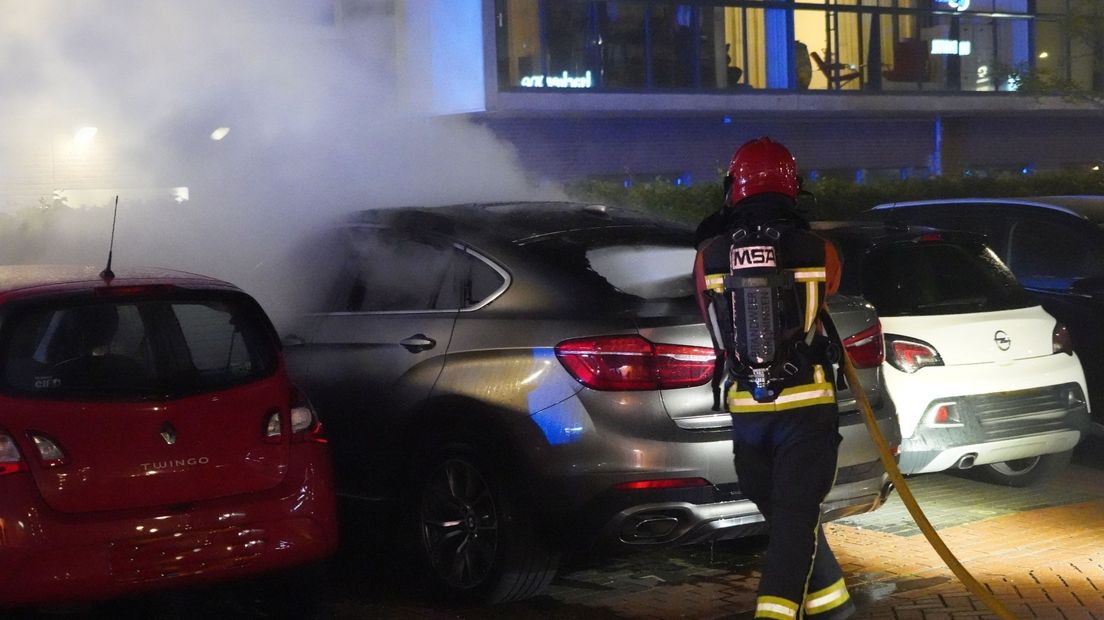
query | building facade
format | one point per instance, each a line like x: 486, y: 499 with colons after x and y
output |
x: 640, y: 89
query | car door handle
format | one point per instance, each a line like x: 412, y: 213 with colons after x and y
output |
x: 418, y: 343
x: 293, y: 340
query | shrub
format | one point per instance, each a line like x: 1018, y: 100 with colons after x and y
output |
x: 834, y: 199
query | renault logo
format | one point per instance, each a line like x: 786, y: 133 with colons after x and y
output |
x: 1003, y: 341
x: 168, y: 433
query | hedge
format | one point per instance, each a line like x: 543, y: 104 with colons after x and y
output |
x: 833, y: 199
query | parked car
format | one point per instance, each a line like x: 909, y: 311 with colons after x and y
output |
x: 149, y: 438
x: 981, y: 375
x: 526, y: 379
x: 1055, y: 247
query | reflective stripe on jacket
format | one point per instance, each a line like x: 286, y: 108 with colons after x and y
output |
x: 819, y: 392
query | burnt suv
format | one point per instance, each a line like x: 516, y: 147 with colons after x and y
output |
x: 526, y: 379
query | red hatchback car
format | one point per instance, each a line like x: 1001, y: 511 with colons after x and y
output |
x: 149, y: 438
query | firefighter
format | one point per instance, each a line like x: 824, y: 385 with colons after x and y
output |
x: 785, y: 427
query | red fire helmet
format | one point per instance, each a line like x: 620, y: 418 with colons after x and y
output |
x: 761, y: 166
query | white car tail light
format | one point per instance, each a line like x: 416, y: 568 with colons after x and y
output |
x: 909, y: 355
x: 274, y: 426
x: 48, y: 450
x: 634, y: 363
x: 10, y: 459
x: 304, y: 423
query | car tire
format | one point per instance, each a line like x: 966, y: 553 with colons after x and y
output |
x: 1022, y: 472
x: 473, y: 541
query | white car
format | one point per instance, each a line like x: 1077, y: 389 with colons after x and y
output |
x: 982, y: 377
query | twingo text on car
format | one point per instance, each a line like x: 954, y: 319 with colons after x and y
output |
x: 980, y: 374
x: 149, y: 437
x: 1055, y: 247
x: 534, y: 378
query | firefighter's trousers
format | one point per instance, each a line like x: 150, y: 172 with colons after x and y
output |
x: 786, y: 464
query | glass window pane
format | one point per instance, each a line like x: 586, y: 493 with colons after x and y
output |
x: 398, y: 274
x: 835, y: 47
x: 990, y: 51
x: 745, y: 36
x: 519, y: 45
x: 566, y: 30
x: 682, y: 44
x: 621, y: 26
x: 482, y: 281
x: 906, y: 57
x: 1050, y: 49
x: 134, y: 349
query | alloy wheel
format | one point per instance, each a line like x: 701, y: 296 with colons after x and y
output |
x: 459, y: 524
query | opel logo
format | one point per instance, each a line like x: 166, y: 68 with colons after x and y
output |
x: 1003, y: 341
x: 168, y: 433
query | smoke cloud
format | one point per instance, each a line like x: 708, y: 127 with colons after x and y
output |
x: 319, y: 125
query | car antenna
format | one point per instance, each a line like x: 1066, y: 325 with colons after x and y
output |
x: 107, y: 273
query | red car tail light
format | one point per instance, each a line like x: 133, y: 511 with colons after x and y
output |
x: 909, y: 355
x: 634, y: 363
x: 664, y: 483
x: 866, y: 348
x: 1060, y: 340
x: 10, y: 459
x: 48, y: 450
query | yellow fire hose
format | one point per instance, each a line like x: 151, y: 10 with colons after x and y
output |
x: 910, y: 502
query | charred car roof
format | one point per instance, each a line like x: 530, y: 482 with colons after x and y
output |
x: 512, y: 222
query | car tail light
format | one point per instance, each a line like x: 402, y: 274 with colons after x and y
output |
x: 909, y: 355
x: 635, y: 363
x: 304, y: 423
x: 663, y: 483
x: 1060, y: 339
x: 10, y: 459
x: 48, y: 450
x: 866, y: 348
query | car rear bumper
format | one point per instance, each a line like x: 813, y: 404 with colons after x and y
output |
x: 997, y: 427
x: 913, y: 394
x: 51, y: 558
x: 680, y: 522
x: 967, y: 455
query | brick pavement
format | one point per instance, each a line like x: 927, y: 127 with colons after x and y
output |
x: 1039, y: 550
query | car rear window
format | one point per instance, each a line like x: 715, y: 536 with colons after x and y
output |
x: 925, y: 278
x: 650, y: 263
x: 134, y: 347
x: 646, y: 270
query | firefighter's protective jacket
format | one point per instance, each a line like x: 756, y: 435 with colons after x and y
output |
x: 815, y: 266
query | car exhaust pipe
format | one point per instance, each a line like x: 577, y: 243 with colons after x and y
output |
x: 649, y: 528
x: 966, y: 461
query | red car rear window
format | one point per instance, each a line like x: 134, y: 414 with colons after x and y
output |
x: 134, y: 347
